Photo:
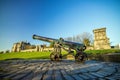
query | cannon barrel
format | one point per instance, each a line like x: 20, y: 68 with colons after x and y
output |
x: 75, y: 45
x: 43, y: 38
x: 72, y: 45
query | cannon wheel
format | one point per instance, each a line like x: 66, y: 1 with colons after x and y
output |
x: 55, y: 56
x: 81, y: 57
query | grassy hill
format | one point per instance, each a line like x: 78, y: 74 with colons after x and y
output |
x: 105, y: 51
x: 45, y: 55
x: 26, y: 55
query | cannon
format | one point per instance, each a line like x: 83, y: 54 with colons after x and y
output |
x: 63, y: 44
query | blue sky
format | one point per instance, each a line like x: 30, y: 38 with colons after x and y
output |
x: 20, y: 19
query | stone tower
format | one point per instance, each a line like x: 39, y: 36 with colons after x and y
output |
x: 100, y: 39
x: 16, y: 47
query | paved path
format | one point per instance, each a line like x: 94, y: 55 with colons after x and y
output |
x: 64, y: 70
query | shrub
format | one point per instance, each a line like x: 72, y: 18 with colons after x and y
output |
x: 7, y: 51
x: 2, y: 52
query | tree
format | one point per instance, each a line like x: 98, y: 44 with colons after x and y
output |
x: 68, y: 38
x: 86, y: 41
x: 85, y: 38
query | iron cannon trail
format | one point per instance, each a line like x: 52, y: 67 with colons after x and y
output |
x: 60, y: 44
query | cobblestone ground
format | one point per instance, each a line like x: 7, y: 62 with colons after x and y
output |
x: 64, y: 70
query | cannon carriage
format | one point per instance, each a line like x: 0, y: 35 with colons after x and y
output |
x: 62, y: 44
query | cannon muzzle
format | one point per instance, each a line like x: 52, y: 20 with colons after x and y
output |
x: 34, y: 36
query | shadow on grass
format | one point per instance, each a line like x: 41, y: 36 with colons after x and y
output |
x: 39, y: 58
x: 26, y: 58
x: 15, y: 59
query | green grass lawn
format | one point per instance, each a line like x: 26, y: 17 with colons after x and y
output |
x: 105, y: 51
x: 26, y: 55
x: 45, y: 55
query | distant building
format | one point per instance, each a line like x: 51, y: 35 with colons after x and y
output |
x: 24, y: 47
x: 100, y: 39
x: 27, y: 47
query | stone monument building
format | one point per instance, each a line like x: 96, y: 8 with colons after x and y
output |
x: 100, y: 39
